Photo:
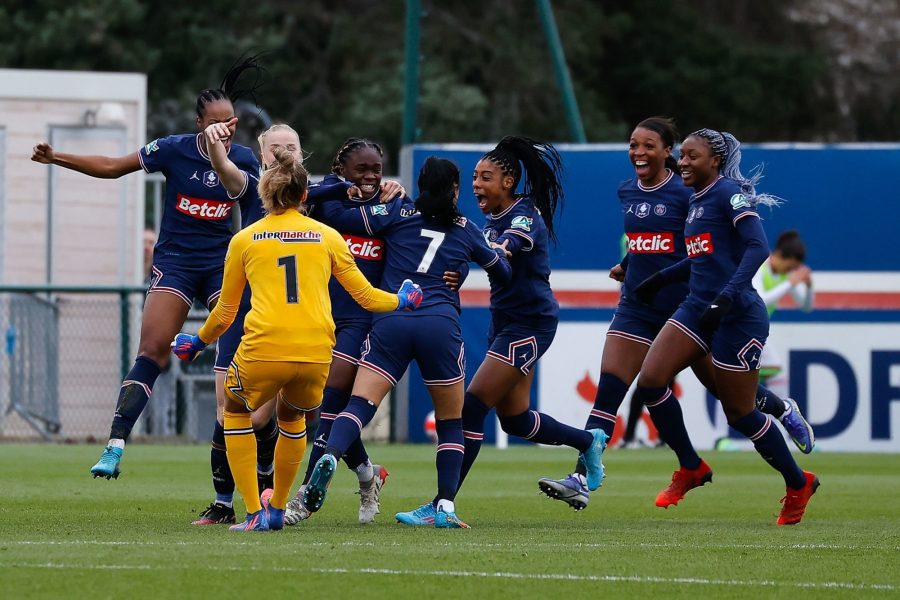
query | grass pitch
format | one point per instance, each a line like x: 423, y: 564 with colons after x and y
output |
x: 64, y: 535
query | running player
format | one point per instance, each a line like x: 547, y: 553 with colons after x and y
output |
x: 221, y: 510
x: 358, y: 163
x: 524, y: 314
x: 287, y: 258
x: 425, y: 239
x: 722, y: 314
x: 194, y: 235
x: 655, y: 207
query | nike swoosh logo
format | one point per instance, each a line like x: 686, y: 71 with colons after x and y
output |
x: 714, y: 306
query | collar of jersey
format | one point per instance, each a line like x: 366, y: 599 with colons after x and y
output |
x: 508, y: 208
x: 658, y: 185
x: 203, y: 153
x: 709, y: 187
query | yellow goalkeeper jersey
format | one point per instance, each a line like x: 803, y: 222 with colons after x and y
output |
x: 288, y: 260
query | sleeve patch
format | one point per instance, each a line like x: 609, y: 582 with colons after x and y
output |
x: 521, y: 222
x: 379, y: 210
x: 739, y: 201
x: 152, y: 146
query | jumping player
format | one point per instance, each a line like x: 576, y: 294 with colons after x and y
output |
x: 194, y: 235
x: 524, y: 314
x: 722, y: 314
x: 287, y: 259
x: 425, y: 239
x: 358, y: 163
x: 221, y: 510
x: 655, y: 207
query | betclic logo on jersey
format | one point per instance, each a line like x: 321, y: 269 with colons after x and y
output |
x: 208, y: 210
x: 698, y: 244
x: 651, y: 243
x: 365, y: 248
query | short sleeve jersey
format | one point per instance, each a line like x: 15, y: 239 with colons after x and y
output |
x: 712, y: 242
x: 654, y: 238
x: 367, y: 249
x: 528, y: 296
x: 196, y: 221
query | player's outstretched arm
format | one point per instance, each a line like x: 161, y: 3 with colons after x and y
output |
x: 104, y: 167
x: 233, y: 281
x: 344, y: 269
x: 233, y: 179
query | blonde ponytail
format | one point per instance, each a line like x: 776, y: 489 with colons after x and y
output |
x: 283, y: 185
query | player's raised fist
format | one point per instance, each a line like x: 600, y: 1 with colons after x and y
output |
x: 42, y: 153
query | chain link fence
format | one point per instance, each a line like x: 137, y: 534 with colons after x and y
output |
x: 66, y: 352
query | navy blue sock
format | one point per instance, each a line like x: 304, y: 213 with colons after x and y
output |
x: 449, y: 459
x: 543, y: 429
x: 223, y: 482
x: 665, y: 410
x: 770, y: 444
x: 768, y: 402
x: 610, y: 392
x: 474, y: 413
x: 133, y: 396
x: 349, y: 424
x: 333, y: 402
x: 266, y: 438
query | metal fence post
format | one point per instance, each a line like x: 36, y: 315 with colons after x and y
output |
x: 125, y: 326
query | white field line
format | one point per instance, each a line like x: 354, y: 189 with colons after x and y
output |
x: 845, y: 585
x: 511, y: 546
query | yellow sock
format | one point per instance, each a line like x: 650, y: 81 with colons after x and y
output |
x: 240, y: 445
x: 289, y: 451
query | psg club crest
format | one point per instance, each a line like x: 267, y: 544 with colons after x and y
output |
x: 659, y: 210
x: 643, y: 209
x: 210, y: 179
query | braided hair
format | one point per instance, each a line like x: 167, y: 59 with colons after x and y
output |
x: 664, y: 127
x: 728, y: 149
x: 438, y: 182
x: 229, y: 89
x: 543, y: 172
x: 350, y: 146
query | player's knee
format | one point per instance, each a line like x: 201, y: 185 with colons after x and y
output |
x: 651, y: 380
x: 156, y: 351
x: 735, y: 413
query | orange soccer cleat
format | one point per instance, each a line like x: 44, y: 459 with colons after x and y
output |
x: 683, y: 481
x: 795, y: 501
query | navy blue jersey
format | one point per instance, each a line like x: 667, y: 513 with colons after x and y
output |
x: 717, y: 237
x: 421, y: 250
x: 251, y: 204
x: 367, y: 249
x: 528, y: 295
x: 654, y: 228
x: 196, y: 220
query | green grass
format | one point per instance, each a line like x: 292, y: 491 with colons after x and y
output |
x: 63, y: 534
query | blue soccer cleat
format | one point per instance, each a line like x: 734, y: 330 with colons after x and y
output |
x: 448, y: 520
x: 275, y: 516
x: 314, y: 495
x: 108, y: 465
x: 254, y: 522
x: 593, y: 459
x: 572, y: 490
x: 424, y: 515
x: 799, y: 430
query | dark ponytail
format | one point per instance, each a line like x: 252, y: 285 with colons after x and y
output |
x: 664, y: 127
x: 789, y: 245
x: 438, y: 182
x: 229, y: 89
x: 543, y: 172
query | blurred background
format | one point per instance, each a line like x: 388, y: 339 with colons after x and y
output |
x: 810, y: 85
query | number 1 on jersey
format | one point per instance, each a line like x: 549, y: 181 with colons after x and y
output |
x: 291, y: 285
x: 437, y: 238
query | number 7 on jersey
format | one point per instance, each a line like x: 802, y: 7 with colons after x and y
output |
x: 437, y: 238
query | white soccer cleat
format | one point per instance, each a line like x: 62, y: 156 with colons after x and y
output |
x: 370, y: 495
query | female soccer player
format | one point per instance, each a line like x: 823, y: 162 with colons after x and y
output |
x: 722, y: 314
x: 194, y: 234
x: 221, y: 510
x: 524, y: 314
x: 782, y: 274
x: 425, y: 239
x: 287, y: 258
x: 655, y: 207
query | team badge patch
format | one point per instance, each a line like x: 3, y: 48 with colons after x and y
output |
x: 522, y: 222
x: 151, y: 147
x: 739, y: 201
x: 379, y: 210
x: 210, y: 179
x: 659, y: 210
x: 643, y: 209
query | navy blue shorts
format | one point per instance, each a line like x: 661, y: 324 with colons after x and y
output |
x: 636, y: 327
x: 203, y: 283
x: 229, y: 341
x: 348, y: 339
x: 434, y: 341
x: 737, y: 343
x: 518, y: 345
